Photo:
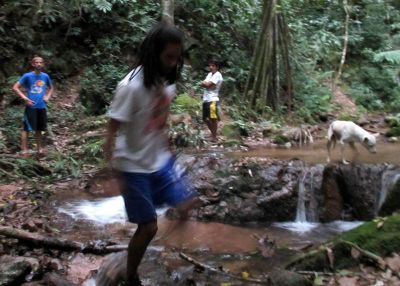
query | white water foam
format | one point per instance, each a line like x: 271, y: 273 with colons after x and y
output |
x: 304, y: 227
x: 297, y: 226
x: 101, y: 211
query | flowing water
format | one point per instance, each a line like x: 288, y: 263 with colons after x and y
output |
x: 316, y: 153
x: 216, y: 237
x: 218, y: 243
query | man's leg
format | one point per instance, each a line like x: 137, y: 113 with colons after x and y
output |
x: 38, y: 138
x: 24, y: 143
x: 136, y: 249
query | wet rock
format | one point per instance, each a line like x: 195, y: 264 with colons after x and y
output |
x: 353, y: 190
x: 82, y: 266
x: 112, y: 270
x: 392, y: 201
x: 104, y: 183
x: 250, y: 190
x: 332, y: 204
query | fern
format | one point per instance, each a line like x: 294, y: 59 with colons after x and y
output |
x: 392, y: 57
x: 103, y: 5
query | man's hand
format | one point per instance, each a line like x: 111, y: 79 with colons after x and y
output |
x: 29, y: 102
x: 46, y: 98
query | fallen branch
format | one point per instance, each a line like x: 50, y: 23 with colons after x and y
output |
x: 375, y: 258
x: 58, y: 243
x: 223, y: 272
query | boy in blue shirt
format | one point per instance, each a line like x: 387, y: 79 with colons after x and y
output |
x: 38, y: 88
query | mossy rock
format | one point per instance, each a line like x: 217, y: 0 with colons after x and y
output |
x: 381, y: 241
x: 394, y: 131
x: 317, y: 260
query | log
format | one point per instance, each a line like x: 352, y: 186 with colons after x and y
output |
x: 40, y: 240
x: 223, y: 272
x: 58, y: 243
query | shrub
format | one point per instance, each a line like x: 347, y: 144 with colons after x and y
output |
x: 98, y: 83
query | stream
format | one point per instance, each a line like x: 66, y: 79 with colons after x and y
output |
x: 236, y: 248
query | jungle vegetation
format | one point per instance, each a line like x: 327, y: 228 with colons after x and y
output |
x: 279, y: 55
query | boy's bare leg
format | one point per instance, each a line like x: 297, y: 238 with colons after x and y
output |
x: 24, y: 144
x: 184, y: 208
x: 213, y: 128
x: 137, y: 247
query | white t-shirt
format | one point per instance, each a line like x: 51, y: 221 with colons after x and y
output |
x: 212, y: 94
x: 142, y: 142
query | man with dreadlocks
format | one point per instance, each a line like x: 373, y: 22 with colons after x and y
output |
x: 137, y: 144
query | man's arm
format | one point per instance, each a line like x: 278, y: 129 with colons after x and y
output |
x: 208, y: 84
x: 18, y: 91
x: 112, y: 128
x: 49, y: 93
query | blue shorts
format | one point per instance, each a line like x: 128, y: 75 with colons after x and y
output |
x: 143, y: 192
x: 35, y: 119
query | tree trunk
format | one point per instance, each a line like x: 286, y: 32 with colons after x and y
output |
x: 167, y: 7
x: 270, y: 61
x: 345, y: 42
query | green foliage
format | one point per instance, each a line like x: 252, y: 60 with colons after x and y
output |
x: 230, y: 130
x: 393, y: 121
x: 281, y: 139
x: 311, y: 98
x: 222, y: 30
x: 11, y: 126
x: 98, y: 83
x: 392, y: 57
x: 185, y: 103
x: 394, y: 131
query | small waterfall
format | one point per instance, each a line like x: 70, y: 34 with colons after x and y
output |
x: 389, y: 179
x: 306, y: 212
x: 301, y: 202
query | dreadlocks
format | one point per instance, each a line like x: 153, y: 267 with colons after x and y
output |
x: 150, y: 50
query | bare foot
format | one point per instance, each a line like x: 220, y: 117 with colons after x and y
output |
x: 42, y: 152
x: 24, y: 154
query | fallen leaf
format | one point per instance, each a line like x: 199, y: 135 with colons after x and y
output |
x: 245, y: 274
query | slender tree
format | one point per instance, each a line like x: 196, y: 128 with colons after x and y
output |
x: 271, y: 61
x: 345, y: 42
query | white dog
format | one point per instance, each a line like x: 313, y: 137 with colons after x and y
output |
x: 349, y: 132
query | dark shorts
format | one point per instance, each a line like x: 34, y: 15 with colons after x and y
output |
x: 35, y: 119
x: 143, y: 192
x: 211, y: 110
